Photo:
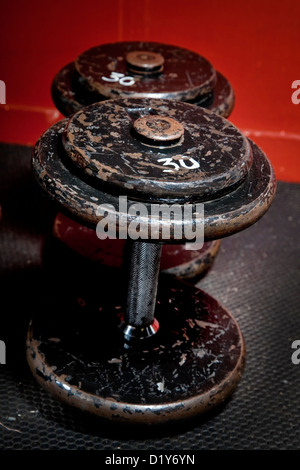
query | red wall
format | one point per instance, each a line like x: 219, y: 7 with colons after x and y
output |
x: 256, y: 44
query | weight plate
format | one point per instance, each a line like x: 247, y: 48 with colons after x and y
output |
x: 223, y: 216
x: 70, y: 93
x: 176, y: 260
x: 112, y: 70
x: 157, y: 149
x: 191, y: 365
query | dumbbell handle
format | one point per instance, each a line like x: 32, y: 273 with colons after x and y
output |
x: 142, y: 289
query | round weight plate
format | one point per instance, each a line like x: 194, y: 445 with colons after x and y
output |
x: 112, y: 71
x: 176, y: 260
x: 70, y: 93
x: 210, y: 158
x: 183, y: 263
x: 221, y: 99
x: 192, y: 364
x: 223, y: 216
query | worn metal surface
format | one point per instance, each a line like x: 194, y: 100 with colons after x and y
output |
x: 145, y: 62
x: 211, y: 157
x: 191, y: 365
x: 195, y: 359
x: 181, y: 263
x: 185, y: 76
x: 71, y: 91
x: 225, y: 213
x: 158, y: 131
x: 144, y: 262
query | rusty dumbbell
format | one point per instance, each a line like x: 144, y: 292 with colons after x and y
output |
x: 158, y: 350
x: 139, y: 70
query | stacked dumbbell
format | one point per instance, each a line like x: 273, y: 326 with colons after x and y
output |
x: 165, y: 351
x: 143, y: 70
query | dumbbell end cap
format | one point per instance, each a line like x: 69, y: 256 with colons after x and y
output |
x: 134, y: 332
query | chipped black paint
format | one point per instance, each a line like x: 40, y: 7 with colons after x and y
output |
x: 197, y: 265
x: 224, y: 215
x: 185, y: 75
x: 213, y: 156
x: 193, y: 363
x: 71, y: 91
x: 195, y: 360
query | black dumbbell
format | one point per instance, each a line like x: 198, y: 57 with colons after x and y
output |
x: 141, y: 70
x: 164, y: 351
x: 147, y: 70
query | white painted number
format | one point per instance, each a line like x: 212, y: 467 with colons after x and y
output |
x: 182, y: 163
x: 193, y: 165
x: 119, y: 77
x: 168, y: 161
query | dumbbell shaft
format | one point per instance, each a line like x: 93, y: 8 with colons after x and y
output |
x: 142, y: 288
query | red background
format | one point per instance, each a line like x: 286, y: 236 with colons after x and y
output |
x: 255, y: 44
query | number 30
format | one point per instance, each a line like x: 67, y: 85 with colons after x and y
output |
x: 168, y: 162
x: 119, y: 77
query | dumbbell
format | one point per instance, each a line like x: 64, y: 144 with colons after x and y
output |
x: 139, y: 69
x: 154, y: 349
